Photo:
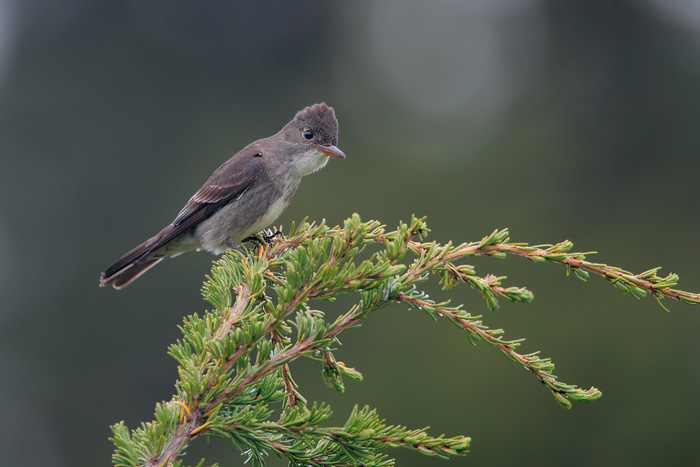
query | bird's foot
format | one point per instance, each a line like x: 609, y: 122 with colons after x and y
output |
x: 268, y: 238
x: 262, y: 238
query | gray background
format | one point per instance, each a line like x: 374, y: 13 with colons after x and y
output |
x: 556, y: 119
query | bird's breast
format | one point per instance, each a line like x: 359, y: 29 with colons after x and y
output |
x: 276, y: 208
x: 257, y: 209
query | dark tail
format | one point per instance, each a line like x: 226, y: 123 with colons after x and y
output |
x: 130, y: 266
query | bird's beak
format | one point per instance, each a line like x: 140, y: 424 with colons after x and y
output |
x: 330, y: 150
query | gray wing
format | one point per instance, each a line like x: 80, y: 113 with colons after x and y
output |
x: 228, y: 182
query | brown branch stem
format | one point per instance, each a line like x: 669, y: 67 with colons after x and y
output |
x: 483, y: 334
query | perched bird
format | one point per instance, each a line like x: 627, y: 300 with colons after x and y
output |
x: 243, y: 196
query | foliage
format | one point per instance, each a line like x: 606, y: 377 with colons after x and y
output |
x: 233, y: 361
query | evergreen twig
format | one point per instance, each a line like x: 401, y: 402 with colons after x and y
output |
x: 233, y: 362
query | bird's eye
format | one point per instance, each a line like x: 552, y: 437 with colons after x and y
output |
x: 308, y: 134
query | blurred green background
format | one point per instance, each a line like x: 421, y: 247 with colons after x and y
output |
x: 576, y: 120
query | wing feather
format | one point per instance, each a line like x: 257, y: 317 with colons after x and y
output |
x: 228, y: 182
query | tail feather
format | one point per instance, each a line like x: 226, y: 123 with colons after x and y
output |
x: 139, y: 260
x: 130, y: 266
x: 129, y: 274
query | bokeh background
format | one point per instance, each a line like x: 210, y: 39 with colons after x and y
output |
x: 576, y: 120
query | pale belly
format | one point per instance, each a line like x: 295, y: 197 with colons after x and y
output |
x: 276, y: 209
x: 239, y: 220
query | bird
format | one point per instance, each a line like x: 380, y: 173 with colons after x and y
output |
x: 245, y: 195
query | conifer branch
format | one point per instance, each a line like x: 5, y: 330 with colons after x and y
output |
x: 234, y: 361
